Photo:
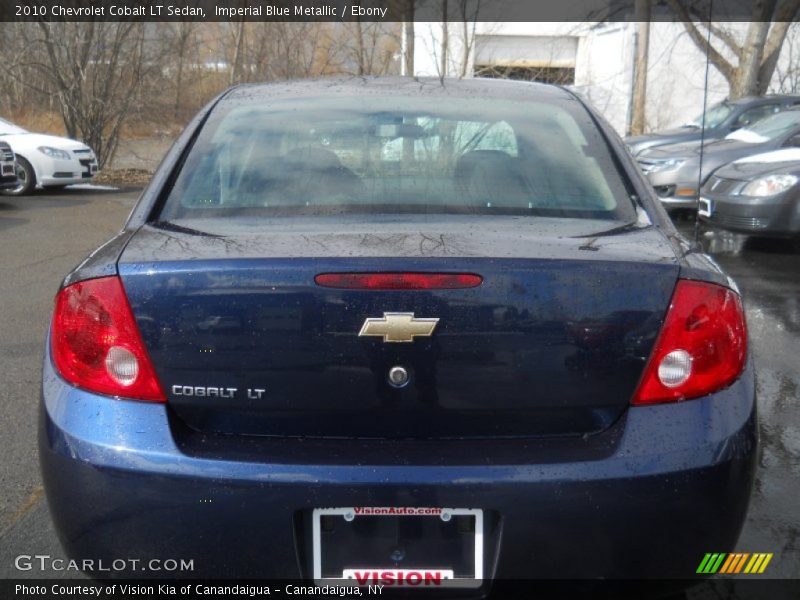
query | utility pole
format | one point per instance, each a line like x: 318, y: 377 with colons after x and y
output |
x: 407, y: 42
x: 641, y: 13
x: 408, y: 71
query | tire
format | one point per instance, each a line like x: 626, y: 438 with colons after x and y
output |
x: 27, y: 179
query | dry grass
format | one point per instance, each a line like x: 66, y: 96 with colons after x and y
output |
x: 142, y: 130
x: 38, y: 121
x: 124, y: 177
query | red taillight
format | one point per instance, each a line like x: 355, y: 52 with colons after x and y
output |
x: 701, y: 348
x: 398, y: 281
x: 96, y: 345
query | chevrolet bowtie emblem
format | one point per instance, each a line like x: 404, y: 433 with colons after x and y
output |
x: 398, y: 327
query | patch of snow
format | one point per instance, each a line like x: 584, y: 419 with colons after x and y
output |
x: 745, y: 135
x: 93, y: 186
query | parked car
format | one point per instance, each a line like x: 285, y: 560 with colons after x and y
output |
x: 674, y: 170
x: 759, y: 195
x: 8, y: 173
x: 721, y: 119
x: 47, y: 161
x: 307, y: 357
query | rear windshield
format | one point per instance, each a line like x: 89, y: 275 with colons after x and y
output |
x: 389, y: 155
x: 775, y: 126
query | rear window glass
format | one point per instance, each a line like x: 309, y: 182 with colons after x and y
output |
x: 327, y: 156
x: 776, y: 125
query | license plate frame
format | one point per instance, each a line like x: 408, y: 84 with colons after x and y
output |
x: 705, y: 207
x: 349, y: 513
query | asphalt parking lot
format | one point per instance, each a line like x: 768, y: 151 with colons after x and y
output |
x: 44, y: 236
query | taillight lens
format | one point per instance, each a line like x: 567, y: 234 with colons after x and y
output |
x: 398, y: 281
x: 95, y: 343
x: 702, y: 346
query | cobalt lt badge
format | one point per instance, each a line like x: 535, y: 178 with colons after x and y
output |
x: 398, y: 327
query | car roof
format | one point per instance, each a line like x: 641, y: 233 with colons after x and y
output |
x: 400, y: 86
x: 758, y: 99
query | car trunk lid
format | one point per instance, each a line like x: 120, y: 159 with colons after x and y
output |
x: 552, y: 342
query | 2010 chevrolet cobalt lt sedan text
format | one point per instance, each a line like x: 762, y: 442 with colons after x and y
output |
x: 399, y: 331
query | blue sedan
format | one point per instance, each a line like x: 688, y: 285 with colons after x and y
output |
x: 398, y: 332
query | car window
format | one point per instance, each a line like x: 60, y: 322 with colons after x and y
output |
x: 399, y: 155
x: 714, y: 116
x: 770, y: 128
x: 755, y: 114
x: 793, y: 142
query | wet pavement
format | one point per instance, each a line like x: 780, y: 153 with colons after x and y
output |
x: 768, y: 274
x: 43, y: 237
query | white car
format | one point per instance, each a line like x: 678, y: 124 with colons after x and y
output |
x: 47, y: 161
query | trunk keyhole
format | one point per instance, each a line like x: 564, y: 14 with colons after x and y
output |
x: 398, y: 377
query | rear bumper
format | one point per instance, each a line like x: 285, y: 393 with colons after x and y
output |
x: 673, y: 196
x: 676, y: 195
x: 675, y: 202
x: 646, y: 498
x: 676, y: 189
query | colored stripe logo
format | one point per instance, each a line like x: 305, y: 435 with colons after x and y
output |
x: 735, y: 562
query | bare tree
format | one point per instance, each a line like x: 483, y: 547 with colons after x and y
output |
x: 238, y: 45
x: 15, y: 90
x: 106, y: 80
x: 445, y: 40
x: 746, y: 63
x: 452, y: 52
x: 183, y: 47
x: 95, y: 71
x: 469, y: 22
x: 373, y: 49
x: 287, y: 50
x: 788, y: 76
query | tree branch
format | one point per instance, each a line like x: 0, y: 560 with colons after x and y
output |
x: 726, y: 37
x: 720, y: 62
x: 784, y: 16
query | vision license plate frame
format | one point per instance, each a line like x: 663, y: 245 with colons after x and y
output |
x: 398, y: 546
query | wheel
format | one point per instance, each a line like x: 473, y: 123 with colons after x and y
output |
x: 26, y: 177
